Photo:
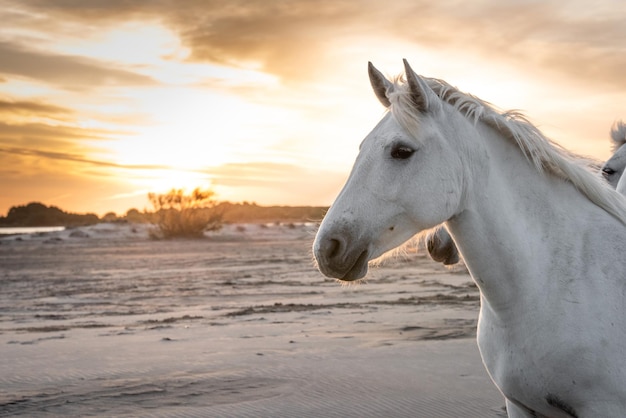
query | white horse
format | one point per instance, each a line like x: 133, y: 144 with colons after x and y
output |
x: 441, y: 247
x: 541, y: 236
x: 613, y: 169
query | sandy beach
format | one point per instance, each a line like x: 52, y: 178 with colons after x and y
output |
x: 104, y: 321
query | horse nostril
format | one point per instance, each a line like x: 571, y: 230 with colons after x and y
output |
x: 334, y: 247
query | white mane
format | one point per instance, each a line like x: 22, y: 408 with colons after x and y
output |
x: 618, y: 134
x: 544, y: 154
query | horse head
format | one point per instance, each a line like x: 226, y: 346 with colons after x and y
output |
x: 613, y: 169
x: 406, y: 178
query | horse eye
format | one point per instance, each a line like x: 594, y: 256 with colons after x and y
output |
x: 607, y: 171
x: 401, y: 152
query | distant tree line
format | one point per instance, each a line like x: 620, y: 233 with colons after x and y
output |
x: 215, y: 213
x: 252, y: 213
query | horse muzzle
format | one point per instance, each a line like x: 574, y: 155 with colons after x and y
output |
x: 337, y: 260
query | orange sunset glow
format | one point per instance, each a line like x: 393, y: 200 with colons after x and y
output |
x: 102, y: 102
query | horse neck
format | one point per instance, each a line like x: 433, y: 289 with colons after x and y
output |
x: 514, y: 220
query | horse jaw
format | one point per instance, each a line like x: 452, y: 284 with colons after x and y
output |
x: 345, y: 243
x: 621, y: 185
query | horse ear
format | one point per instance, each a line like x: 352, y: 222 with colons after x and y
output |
x: 380, y: 84
x: 423, y: 96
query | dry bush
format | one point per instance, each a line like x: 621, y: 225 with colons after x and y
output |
x: 185, y: 215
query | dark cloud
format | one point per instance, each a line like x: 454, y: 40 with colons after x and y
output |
x: 43, y: 135
x: 64, y: 156
x: 286, y: 38
x: 533, y: 35
x: 66, y: 71
x: 97, y: 10
x: 37, y: 145
x: 291, y: 38
x: 30, y: 107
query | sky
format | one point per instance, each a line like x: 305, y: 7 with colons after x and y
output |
x: 104, y: 101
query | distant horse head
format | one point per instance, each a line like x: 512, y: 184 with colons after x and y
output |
x: 613, y: 169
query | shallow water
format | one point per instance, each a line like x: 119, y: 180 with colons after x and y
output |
x: 29, y: 229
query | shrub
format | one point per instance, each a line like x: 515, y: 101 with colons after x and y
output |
x: 177, y: 214
x: 134, y: 216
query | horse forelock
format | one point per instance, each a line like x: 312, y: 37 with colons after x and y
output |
x: 402, y: 107
x: 544, y: 154
x: 618, y: 134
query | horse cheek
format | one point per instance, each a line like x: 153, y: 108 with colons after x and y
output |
x: 438, y: 199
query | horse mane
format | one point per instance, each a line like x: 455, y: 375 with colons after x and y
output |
x: 544, y: 154
x: 618, y: 134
